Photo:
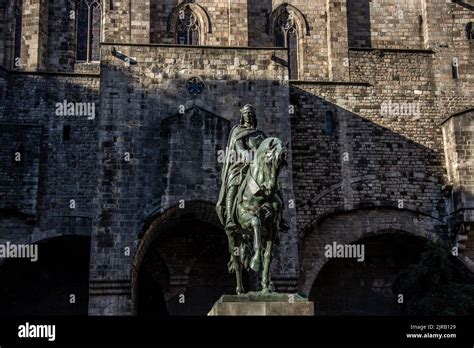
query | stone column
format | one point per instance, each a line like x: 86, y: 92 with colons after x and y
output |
x: 140, y: 22
x: 338, y: 50
x: 34, y: 35
x: 238, y: 23
x: 118, y: 20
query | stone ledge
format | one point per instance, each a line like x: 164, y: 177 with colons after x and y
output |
x: 217, y: 47
x: 392, y: 50
x: 330, y: 83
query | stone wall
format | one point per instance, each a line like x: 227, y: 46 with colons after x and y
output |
x: 367, y: 146
x: 458, y: 132
x: 364, y: 162
x: 3, y: 88
x: 3, y: 28
x: 34, y: 35
x: 117, y: 21
x: 7, y: 21
x: 141, y: 102
x: 258, y: 13
x: 313, y: 46
x: 228, y: 25
x: 20, y: 156
x: 385, y: 23
x: 64, y: 165
x: 447, y: 37
x: 61, y: 39
x: 329, y: 28
x: 381, y: 152
x: 53, y: 43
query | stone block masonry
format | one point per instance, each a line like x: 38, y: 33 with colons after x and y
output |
x: 458, y: 135
x: 378, y: 116
x: 61, y: 151
x: 140, y: 115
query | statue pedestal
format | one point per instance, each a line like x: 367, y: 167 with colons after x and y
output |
x: 258, y: 304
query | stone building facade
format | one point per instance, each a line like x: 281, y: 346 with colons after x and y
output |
x: 113, y: 113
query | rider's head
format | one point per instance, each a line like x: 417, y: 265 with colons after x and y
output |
x: 248, y: 117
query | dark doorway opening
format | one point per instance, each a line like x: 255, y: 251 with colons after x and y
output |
x: 348, y: 287
x: 184, y: 271
x: 56, y: 284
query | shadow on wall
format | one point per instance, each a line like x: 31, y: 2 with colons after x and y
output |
x: 343, y: 161
x: 65, y: 167
x: 89, y: 154
x: 159, y: 15
x: 358, y: 23
x: 56, y: 284
x: 62, y: 149
x: 183, y: 267
x: 258, y: 14
x: 347, y: 287
x: 435, y: 284
x: 383, y: 166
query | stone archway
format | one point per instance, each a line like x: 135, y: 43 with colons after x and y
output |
x: 348, y: 287
x: 181, y: 264
x: 350, y: 226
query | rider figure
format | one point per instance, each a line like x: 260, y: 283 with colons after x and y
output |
x: 242, y: 146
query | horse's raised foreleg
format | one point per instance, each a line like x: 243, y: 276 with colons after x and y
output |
x: 234, y: 251
x: 266, y: 266
x: 257, y: 245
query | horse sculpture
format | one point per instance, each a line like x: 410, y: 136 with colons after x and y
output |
x: 258, y: 213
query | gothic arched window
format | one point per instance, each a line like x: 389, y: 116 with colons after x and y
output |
x: 286, y: 35
x: 18, y: 32
x: 188, y: 27
x: 470, y: 31
x: 88, y: 28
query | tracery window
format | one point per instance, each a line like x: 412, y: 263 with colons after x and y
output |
x: 286, y: 35
x: 188, y: 27
x: 88, y: 28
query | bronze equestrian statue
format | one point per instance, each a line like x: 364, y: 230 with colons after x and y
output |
x: 250, y: 204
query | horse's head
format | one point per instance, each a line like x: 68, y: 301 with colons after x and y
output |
x: 275, y: 153
x: 271, y: 158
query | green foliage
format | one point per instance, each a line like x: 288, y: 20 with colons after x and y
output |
x: 436, y: 285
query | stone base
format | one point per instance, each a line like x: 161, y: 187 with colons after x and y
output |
x: 262, y: 304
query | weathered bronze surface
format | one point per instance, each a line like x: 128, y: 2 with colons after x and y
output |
x: 250, y: 202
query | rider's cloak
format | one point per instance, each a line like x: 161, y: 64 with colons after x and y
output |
x: 234, y: 170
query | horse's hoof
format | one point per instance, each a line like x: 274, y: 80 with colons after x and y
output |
x: 239, y: 291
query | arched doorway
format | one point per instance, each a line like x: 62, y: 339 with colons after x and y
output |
x: 347, y: 287
x: 181, y: 264
x: 153, y: 281
x: 45, y: 287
